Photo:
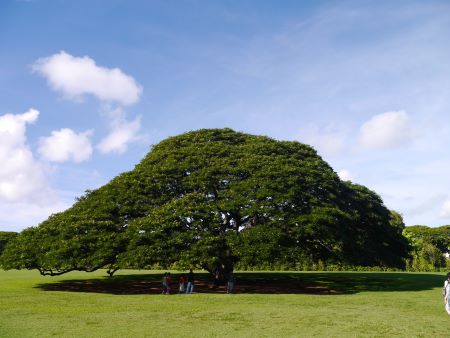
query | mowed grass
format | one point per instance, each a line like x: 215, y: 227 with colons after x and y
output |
x: 275, y: 304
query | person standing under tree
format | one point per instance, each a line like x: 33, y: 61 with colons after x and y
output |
x: 164, y: 283
x: 190, y: 280
x: 446, y: 293
x: 231, y: 282
x: 168, y: 283
x: 181, y: 284
x: 216, y: 280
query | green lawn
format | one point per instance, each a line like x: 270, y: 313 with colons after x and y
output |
x: 284, y: 304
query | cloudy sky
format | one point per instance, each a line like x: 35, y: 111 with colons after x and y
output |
x: 86, y: 87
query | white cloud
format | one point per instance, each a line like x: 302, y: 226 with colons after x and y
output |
x: 21, y: 176
x: 328, y: 140
x: 66, y: 145
x: 122, y: 133
x: 445, y: 210
x: 26, y: 197
x: 77, y: 76
x: 386, y: 130
x: 16, y: 216
x: 345, y: 175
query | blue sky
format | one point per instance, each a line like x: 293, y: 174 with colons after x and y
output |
x: 87, y: 86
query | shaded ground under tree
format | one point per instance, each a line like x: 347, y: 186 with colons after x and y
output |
x: 323, y: 283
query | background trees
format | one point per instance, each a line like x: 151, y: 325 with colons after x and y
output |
x: 212, y: 198
x: 428, y: 247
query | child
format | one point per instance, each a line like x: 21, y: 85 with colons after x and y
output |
x: 181, y: 284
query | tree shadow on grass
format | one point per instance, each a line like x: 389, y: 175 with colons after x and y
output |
x: 320, y: 283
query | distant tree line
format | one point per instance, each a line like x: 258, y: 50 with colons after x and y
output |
x: 428, y: 248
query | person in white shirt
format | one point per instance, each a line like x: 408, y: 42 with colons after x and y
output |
x: 447, y: 293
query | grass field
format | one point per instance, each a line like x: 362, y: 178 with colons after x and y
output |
x: 282, y: 304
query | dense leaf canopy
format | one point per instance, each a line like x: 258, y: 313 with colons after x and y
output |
x: 211, y: 198
x: 439, y: 236
x: 428, y: 246
x: 5, y: 237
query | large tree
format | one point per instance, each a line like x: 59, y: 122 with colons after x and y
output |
x: 210, y: 198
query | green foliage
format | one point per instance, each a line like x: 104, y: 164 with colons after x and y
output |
x: 5, y: 237
x: 86, y: 237
x: 428, y: 247
x: 213, y: 198
x: 439, y: 236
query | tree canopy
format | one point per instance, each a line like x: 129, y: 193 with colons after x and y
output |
x: 428, y: 246
x: 439, y: 236
x: 5, y: 237
x: 211, y: 198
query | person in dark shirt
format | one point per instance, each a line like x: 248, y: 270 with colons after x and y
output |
x: 164, y: 283
x: 190, y: 280
x: 168, y: 277
x: 231, y: 282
